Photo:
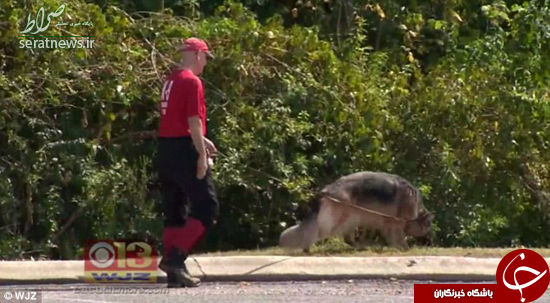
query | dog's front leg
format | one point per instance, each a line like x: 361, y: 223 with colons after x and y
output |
x: 349, y: 238
x: 398, y: 238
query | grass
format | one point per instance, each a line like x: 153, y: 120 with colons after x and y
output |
x: 339, y: 248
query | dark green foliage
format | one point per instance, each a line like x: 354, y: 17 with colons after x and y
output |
x: 452, y: 95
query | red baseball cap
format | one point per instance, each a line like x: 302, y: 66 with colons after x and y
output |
x: 195, y: 45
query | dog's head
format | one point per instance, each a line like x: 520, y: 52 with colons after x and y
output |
x: 421, y: 227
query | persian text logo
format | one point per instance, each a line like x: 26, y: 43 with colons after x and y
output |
x: 530, y: 287
x: 38, y: 25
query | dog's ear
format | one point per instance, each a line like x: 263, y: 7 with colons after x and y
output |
x: 429, y: 218
x: 426, y: 218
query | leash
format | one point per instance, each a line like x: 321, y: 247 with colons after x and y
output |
x: 329, y: 197
x: 334, y: 200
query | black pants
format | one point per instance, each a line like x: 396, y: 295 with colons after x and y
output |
x: 178, y: 176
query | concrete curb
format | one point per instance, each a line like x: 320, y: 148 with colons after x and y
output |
x: 278, y: 268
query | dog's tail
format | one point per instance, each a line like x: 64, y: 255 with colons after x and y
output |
x: 304, y: 234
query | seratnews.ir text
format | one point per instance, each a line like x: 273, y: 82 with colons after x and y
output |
x: 55, y: 43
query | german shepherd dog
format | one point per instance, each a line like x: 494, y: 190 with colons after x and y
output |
x: 346, y: 204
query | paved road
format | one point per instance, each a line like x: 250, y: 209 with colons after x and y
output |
x: 384, y: 291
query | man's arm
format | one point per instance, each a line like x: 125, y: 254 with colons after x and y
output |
x: 195, y: 126
x: 192, y: 104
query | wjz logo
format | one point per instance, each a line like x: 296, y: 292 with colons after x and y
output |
x: 120, y: 261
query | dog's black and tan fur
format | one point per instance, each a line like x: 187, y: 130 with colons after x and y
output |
x: 385, y: 193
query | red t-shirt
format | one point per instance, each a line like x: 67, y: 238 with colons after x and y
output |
x: 182, y: 97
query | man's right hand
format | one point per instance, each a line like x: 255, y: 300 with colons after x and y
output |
x: 202, y: 166
x: 210, y: 148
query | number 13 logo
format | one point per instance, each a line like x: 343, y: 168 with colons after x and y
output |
x: 165, y: 95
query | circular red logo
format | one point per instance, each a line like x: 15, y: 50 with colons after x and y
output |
x: 523, y: 276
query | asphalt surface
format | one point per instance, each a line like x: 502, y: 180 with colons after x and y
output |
x: 384, y: 291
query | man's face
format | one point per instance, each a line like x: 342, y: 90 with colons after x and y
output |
x: 201, y: 61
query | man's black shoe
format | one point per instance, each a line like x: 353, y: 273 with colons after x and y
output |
x: 176, y: 272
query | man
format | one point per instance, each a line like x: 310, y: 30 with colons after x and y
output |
x: 184, y: 173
